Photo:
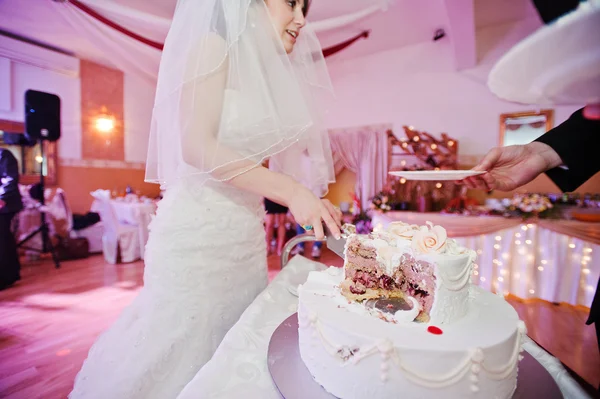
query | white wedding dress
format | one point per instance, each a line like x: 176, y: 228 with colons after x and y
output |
x: 205, y: 263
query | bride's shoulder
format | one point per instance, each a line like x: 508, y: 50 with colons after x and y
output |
x: 213, y: 50
x: 213, y: 41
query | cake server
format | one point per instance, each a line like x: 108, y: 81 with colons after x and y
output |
x: 337, y: 246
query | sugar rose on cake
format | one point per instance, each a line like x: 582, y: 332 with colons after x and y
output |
x: 403, y: 230
x: 429, y: 240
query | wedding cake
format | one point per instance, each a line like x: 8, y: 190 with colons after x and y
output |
x: 402, y: 319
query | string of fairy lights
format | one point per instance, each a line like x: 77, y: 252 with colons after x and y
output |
x: 506, y: 277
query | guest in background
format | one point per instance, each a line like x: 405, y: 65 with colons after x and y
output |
x: 461, y: 202
x: 316, y: 246
x: 568, y: 154
x: 10, y: 205
x: 275, y: 217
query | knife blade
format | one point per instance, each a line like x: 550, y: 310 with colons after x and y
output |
x: 337, y: 246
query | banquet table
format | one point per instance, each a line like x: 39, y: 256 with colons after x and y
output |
x: 239, y: 367
x: 29, y: 220
x: 555, y: 260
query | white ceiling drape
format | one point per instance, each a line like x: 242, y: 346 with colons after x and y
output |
x: 125, y: 53
x: 137, y: 58
x: 364, y: 151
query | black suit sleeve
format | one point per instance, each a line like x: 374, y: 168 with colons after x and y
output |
x: 577, y: 142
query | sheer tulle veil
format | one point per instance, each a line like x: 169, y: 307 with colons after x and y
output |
x: 229, y: 96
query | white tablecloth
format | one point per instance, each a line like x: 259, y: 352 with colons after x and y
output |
x: 133, y: 213
x: 524, y: 259
x: 239, y: 369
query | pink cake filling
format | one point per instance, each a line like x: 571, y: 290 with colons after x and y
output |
x: 419, y: 281
x: 366, y: 278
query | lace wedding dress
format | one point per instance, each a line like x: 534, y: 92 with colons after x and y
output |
x: 205, y: 263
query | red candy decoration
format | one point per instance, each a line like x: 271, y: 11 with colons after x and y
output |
x: 434, y: 330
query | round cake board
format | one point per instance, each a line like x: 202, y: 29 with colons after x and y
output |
x: 294, y: 381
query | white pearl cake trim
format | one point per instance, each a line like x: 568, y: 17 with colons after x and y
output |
x: 473, y: 361
x: 354, y: 355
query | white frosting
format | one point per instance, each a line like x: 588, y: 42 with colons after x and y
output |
x: 406, y: 316
x: 356, y: 355
x: 453, y: 278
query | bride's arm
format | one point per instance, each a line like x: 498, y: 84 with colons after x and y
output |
x: 203, y: 102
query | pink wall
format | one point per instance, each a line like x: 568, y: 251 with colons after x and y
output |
x: 21, y: 77
x: 139, y: 101
x: 419, y: 86
x: 44, y: 70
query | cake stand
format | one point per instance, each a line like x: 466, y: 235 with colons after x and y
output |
x: 294, y: 381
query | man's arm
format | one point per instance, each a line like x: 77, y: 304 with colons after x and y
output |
x: 576, y: 141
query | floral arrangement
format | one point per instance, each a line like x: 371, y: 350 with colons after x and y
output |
x: 530, y: 205
x: 361, y: 220
x: 383, y: 201
x: 356, y: 208
x: 363, y: 223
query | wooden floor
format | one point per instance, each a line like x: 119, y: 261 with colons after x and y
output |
x: 51, y: 317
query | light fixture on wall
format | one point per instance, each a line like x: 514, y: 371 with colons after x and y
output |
x: 105, y: 123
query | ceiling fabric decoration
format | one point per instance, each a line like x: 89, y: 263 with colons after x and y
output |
x: 114, y: 25
x: 344, y: 20
x: 328, y: 24
x: 339, y: 47
x: 134, y: 38
x: 126, y: 54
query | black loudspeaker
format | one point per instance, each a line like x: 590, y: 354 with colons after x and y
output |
x: 42, y: 116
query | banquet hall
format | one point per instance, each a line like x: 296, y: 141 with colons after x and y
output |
x: 420, y: 88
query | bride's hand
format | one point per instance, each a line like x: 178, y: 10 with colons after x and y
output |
x: 309, y: 210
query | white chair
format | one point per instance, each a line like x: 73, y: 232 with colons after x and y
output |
x: 93, y: 234
x: 117, y: 236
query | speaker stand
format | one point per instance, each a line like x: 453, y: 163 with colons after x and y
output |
x: 44, y: 229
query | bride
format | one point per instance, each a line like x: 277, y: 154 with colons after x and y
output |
x: 230, y: 94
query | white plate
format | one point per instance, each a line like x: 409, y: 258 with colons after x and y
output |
x: 435, y: 174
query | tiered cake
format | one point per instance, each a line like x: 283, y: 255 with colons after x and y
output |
x: 403, y: 320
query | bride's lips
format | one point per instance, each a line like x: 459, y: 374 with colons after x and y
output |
x: 292, y: 34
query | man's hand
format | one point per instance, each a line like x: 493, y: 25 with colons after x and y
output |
x: 513, y: 166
